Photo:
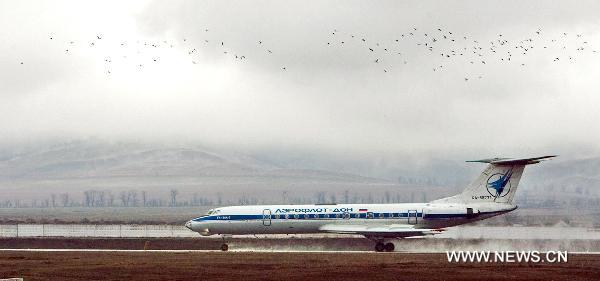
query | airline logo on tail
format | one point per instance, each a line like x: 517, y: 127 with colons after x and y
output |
x: 498, y: 185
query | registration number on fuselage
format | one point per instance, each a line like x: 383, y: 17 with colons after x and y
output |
x: 482, y: 197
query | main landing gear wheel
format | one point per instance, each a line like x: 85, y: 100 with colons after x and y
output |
x: 379, y: 247
x: 389, y: 247
x: 224, y: 247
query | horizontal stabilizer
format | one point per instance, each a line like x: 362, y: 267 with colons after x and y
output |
x: 513, y: 161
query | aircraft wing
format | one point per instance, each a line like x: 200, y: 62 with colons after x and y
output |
x: 396, y: 231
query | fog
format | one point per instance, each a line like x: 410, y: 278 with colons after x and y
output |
x: 329, y: 99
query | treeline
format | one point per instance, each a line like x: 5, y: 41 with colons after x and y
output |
x: 106, y: 198
x: 430, y: 181
x: 141, y: 198
x: 532, y: 198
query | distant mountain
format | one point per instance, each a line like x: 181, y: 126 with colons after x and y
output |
x: 97, y: 159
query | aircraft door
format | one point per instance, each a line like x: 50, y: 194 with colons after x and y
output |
x: 412, y: 216
x: 266, y: 219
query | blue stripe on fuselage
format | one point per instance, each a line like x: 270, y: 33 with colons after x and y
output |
x: 333, y: 216
x: 301, y: 216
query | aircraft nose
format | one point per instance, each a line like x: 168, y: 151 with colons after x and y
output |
x: 188, y: 224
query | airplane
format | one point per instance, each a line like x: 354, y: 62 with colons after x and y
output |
x: 491, y: 194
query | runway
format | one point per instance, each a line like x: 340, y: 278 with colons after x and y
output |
x: 345, y: 244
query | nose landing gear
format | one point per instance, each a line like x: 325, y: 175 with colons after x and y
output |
x: 224, y: 246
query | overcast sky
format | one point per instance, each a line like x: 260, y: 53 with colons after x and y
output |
x: 59, y: 80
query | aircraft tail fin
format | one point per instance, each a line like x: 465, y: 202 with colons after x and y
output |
x: 497, y: 183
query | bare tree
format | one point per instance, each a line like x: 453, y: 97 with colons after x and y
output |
x: 144, y: 198
x: 64, y: 199
x: 101, y: 198
x: 133, y: 197
x: 124, y: 198
x: 388, y: 197
x: 320, y: 196
x: 87, y: 198
x: 111, y: 199
x: 174, y: 193
x: 284, y: 197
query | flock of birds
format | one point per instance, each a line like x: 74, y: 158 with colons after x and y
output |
x: 444, y: 46
x: 447, y: 47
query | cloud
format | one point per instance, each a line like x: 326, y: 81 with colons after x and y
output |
x: 329, y: 97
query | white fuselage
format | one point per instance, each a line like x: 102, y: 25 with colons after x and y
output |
x: 290, y: 219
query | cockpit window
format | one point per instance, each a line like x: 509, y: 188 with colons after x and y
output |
x: 213, y: 212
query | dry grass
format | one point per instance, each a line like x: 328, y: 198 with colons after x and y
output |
x: 279, y: 266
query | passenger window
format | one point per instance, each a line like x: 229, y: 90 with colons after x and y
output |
x: 346, y: 216
x: 326, y: 216
x: 287, y: 216
x: 381, y: 215
x: 337, y: 216
x: 296, y: 216
x: 370, y: 215
x: 277, y: 216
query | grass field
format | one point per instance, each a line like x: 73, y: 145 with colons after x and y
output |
x: 279, y: 266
